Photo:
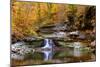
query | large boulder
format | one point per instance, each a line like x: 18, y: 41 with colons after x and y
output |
x: 21, y: 48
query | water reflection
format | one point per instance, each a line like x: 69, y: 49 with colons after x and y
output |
x: 17, y: 56
x: 48, y: 55
x: 66, y: 54
x: 77, y: 52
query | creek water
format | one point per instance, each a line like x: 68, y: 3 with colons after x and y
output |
x: 53, y: 55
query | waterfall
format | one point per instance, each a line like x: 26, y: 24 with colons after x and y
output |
x: 77, y: 45
x: 48, y: 43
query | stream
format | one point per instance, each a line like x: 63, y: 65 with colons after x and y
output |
x: 55, y: 44
x: 24, y: 53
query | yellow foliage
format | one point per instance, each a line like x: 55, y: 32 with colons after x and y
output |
x: 27, y: 17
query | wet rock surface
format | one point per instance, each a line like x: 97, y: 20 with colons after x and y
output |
x: 20, y: 48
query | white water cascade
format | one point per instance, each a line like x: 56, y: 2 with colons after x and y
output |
x: 48, y: 43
